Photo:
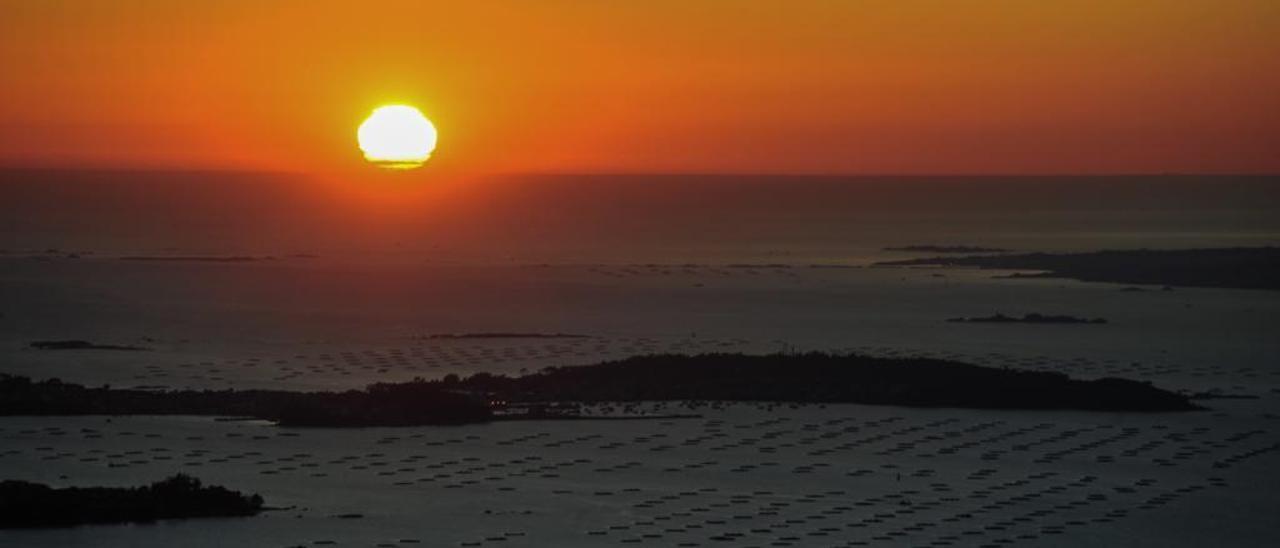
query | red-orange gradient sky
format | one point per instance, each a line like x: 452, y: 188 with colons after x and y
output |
x: 743, y: 86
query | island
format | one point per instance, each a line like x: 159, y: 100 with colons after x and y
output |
x: 1234, y: 268
x: 1029, y: 318
x: 34, y: 505
x: 932, y: 248
x: 557, y: 392
x: 197, y: 258
x: 818, y: 377
x: 84, y: 345
x: 503, y: 335
x: 386, y: 404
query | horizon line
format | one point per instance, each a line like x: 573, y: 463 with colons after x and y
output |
x: 726, y: 174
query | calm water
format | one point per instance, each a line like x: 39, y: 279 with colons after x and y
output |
x: 612, y: 219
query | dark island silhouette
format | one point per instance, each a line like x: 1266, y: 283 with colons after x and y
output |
x: 197, y: 258
x: 33, y: 505
x: 794, y: 378
x: 757, y: 265
x: 823, y: 378
x: 414, y: 403
x: 1029, y: 318
x: 1235, y: 267
x: 933, y: 248
x: 505, y: 335
x: 83, y: 345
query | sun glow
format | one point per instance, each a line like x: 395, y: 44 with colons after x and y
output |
x: 397, y: 137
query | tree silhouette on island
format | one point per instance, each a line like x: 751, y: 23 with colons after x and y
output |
x: 31, y: 505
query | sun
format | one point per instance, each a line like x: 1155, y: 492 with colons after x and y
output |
x: 397, y: 137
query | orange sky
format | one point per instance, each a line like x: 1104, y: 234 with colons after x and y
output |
x: 844, y: 86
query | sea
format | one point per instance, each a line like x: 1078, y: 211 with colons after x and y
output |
x: 233, y: 280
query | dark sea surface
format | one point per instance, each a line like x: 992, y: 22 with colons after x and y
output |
x: 301, y: 284
x: 622, y: 219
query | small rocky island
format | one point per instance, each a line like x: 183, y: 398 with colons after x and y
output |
x: 33, y: 505
x: 1029, y: 318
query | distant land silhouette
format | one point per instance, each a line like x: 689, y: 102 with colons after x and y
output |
x: 501, y: 335
x: 378, y: 405
x: 83, y: 345
x: 797, y: 378
x: 33, y: 505
x: 930, y: 248
x: 1028, y: 318
x: 817, y: 377
x: 197, y: 258
x: 1235, y: 267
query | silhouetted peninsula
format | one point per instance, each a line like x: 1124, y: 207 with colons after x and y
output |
x: 928, y: 248
x: 1235, y: 267
x: 83, y: 345
x: 1028, y: 318
x: 501, y: 335
x: 31, y: 505
x: 412, y: 403
x: 197, y: 258
x: 758, y: 265
x: 798, y: 378
x: 824, y: 378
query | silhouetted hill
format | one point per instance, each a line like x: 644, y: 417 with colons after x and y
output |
x: 25, y: 505
x: 196, y: 258
x: 930, y: 248
x: 1237, y: 267
x: 1028, y: 318
x: 826, y: 378
x: 804, y: 378
x: 402, y: 404
x: 504, y: 335
x: 83, y: 345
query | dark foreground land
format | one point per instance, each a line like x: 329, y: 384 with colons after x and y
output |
x: 28, y: 505
x: 1236, y: 268
x: 799, y: 378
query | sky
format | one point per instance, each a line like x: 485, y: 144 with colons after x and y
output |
x: 566, y: 86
